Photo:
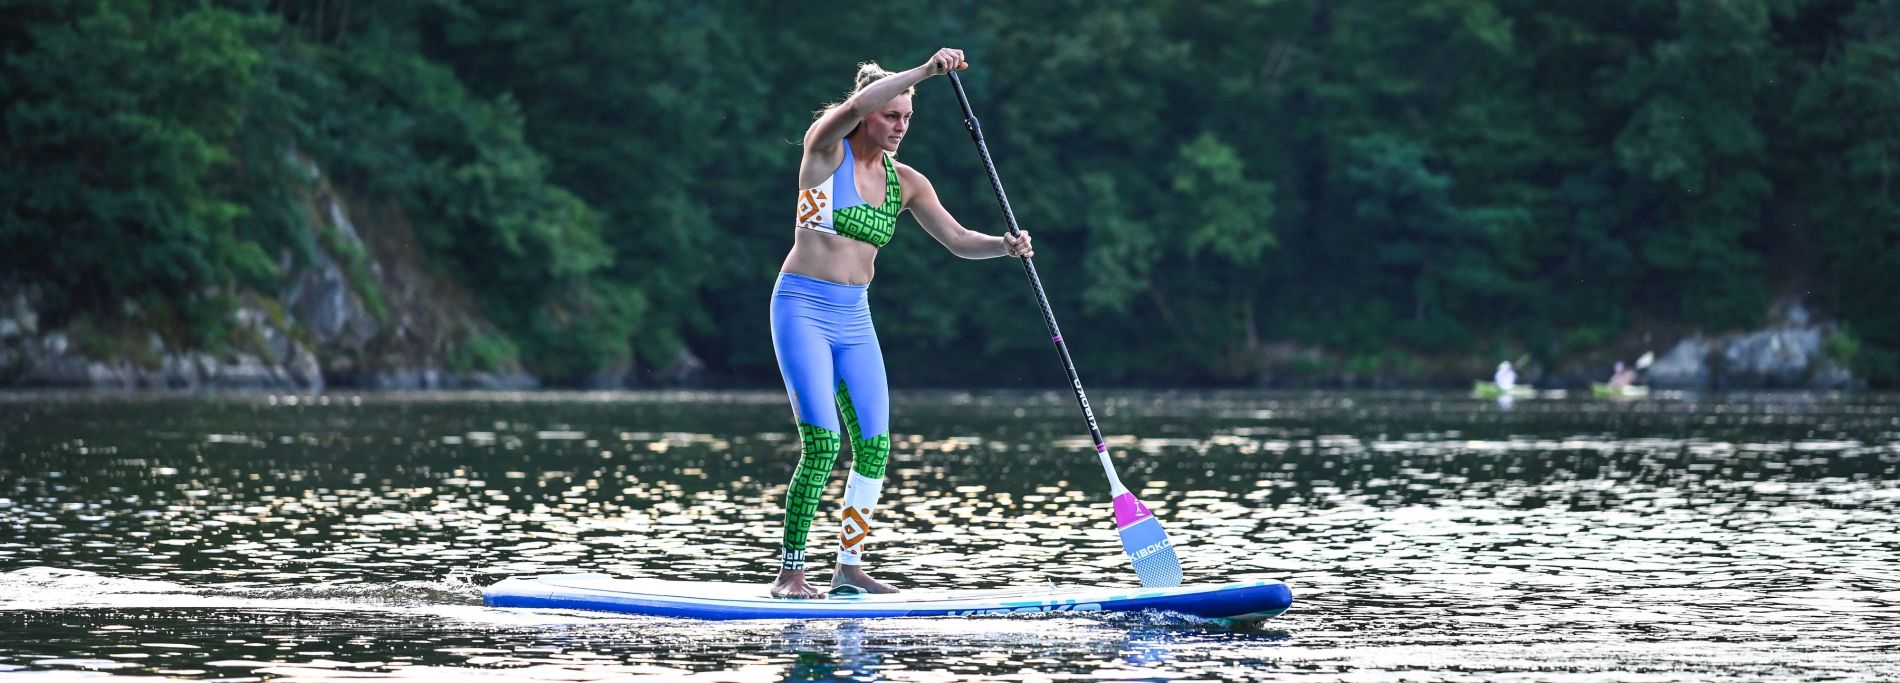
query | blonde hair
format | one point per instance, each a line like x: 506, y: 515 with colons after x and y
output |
x: 868, y: 73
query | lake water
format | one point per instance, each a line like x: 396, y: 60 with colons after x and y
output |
x: 1426, y: 536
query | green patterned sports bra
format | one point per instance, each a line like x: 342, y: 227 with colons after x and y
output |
x: 835, y: 207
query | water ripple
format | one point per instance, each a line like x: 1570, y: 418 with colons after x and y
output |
x: 1426, y: 535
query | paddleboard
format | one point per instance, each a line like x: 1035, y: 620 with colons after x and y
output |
x: 1241, y: 600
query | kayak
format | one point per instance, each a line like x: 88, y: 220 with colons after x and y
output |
x: 1492, y: 390
x: 1602, y: 390
x: 1253, y: 600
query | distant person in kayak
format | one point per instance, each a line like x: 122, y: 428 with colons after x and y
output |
x: 1622, y: 376
x: 1505, y: 376
x: 853, y: 190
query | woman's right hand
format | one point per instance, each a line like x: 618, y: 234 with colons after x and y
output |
x: 945, y: 60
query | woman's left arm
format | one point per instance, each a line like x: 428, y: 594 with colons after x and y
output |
x: 922, y: 201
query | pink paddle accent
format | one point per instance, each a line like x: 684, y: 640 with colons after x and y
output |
x: 1101, y: 448
x: 1128, y: 510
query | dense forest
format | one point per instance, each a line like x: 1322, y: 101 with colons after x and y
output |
x: 1396, y: 183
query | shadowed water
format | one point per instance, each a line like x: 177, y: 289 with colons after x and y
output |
x: 1426, y: 536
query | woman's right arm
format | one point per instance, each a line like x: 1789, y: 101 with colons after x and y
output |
x: 821, y: 140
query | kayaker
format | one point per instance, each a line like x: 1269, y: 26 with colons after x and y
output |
x: 1505, y: 377
x: 1622, y: 376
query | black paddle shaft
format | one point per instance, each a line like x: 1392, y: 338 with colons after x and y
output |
x: 1029, y: 267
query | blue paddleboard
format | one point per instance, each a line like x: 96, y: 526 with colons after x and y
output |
x: 1240, y: 600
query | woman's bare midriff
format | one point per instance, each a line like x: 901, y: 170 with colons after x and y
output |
x: 830, y: 257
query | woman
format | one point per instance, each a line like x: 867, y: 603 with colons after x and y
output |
x: 821, y: 320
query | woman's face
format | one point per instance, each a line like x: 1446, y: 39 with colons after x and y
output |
x: 887, y: 126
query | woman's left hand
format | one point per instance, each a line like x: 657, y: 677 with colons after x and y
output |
x: 1018, y: 244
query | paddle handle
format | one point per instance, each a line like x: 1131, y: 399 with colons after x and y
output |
x: 1035, y: 282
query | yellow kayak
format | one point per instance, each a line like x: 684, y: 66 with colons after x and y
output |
x: 1492, y: 390
x: 1602, y: 390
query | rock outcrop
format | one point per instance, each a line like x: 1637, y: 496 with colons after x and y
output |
x: 1788, y: 355
x: 271, y: 358
x: 362, y: 311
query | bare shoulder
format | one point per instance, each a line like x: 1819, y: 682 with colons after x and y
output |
x: 913, y: 181
x: 911, y: 176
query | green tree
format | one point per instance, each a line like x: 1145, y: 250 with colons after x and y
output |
x: 125, y: 122
x: 1847, y: 132
x: 1694, y: 147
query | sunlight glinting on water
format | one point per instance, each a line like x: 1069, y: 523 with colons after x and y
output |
x: 335, y: 536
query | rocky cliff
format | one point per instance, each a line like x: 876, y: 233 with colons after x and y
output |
x: 364, y: 310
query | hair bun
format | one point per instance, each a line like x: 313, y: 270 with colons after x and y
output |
x: 868, y: 73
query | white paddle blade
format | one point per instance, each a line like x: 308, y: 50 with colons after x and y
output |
x: 1155, y: 562
x: 1147, y: 544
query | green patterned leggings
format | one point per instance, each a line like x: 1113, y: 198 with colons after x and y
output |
x: 818, y: 450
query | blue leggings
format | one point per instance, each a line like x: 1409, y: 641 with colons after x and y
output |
x: 832, y: 366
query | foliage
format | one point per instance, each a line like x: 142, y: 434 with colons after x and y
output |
x: 121, y: 123
x: 484, y: 351
x: 1842, y: 346
x: 612, y: 179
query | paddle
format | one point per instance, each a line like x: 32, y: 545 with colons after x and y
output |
x: 1142, y: 536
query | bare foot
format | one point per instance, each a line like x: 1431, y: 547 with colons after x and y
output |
x: 854, y: 575
x: 791, y: 584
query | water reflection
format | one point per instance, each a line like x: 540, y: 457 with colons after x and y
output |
x: 314, y: 536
